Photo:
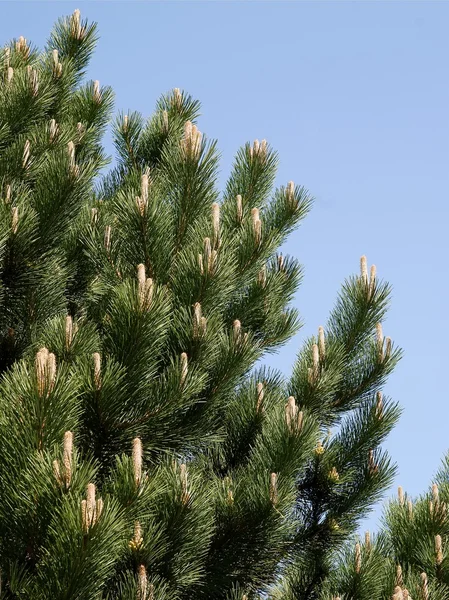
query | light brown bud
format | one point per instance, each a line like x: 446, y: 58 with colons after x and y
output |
x: 372, y: 465
x: 54, y: 130
x: 290, y: 194
x: 239, y: 206
x: 410, y: 509
x: 321, y: 344
x: 201, y: 264
x: 165, y: 121
x: 399, y: 579
x: 290, y: 412
x: 97, y: 92
x: 67, y: 457
x: 207, y: 253
x: 142, y: 583
x: 197, y: 320
x: 397, y: 594
x: 107, y: 238
x: 237, y: 330
x: 34, y: 82
x: 273, y: 488
x: 363, y: 269
x: 97, y: 369
x: 144, y: 184
x: 15, y: 219
x: 316, y: 362
x: 191, y: 142
x: 435, y: 493
x: 57, y: 471
x: 184, y: 368
x: 76, y: 30
x: 379, y: 405
x: 424, y: 587
x: 438, y: 549
x: 367, y: 540
x: 91, y: 505
x: 141, y: 278
x: 177, y: 97
x: 401, y: 496
x: 9, y: 74
x: 71, y: 153
x: 372, y: 281
x: 358, y: 558
x: 137, y: 460
x: 8, y: 194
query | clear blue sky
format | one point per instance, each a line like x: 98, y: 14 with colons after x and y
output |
x: 355, y: 97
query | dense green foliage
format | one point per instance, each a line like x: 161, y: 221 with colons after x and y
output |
x: 144, y: 454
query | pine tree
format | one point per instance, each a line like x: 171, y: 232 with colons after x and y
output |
x: 408, y: 559
x: 144, y: 452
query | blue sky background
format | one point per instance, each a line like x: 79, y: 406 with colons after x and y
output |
x: 355, y: 97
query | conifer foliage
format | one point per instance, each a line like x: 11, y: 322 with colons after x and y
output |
x: 409, y: 555
x: 144, y: 454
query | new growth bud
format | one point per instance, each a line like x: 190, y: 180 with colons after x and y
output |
x: 97, y: 92
x: 15, y: 219
x: 142, y: 583
x: 379, y: 405
x: 199, y: 322
x: 363, y: 269
x: 68, y: 331
x: 57, y: 66
x: 257, y: 224
x: 358, y: 558
x: 34, y: 82
x: 290, y: 195
x: 291, y: 413
x: 177, y: 98
x: 321, y: 344
x: 273, y: 489
x: 372, y: 465
x: 91, y: 509
x: 53, y: 130
x: 424, y: 587
x: 438, y: 549
x: 145, y: 288
x: 401, y: 496
x: 165, y: 121
x: 191, y: 142
x: 45, y: 366
x: 76, y: 30
x: 137, y: 540
x: 73, y: 168
x: 97, y: 370
x: 237, y: 331
x: 107, y: 238
x: 239, y: 207
x: 184, y: 368
x: 137, y: 460
x: 367, y: 541
x: 258, y: 150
